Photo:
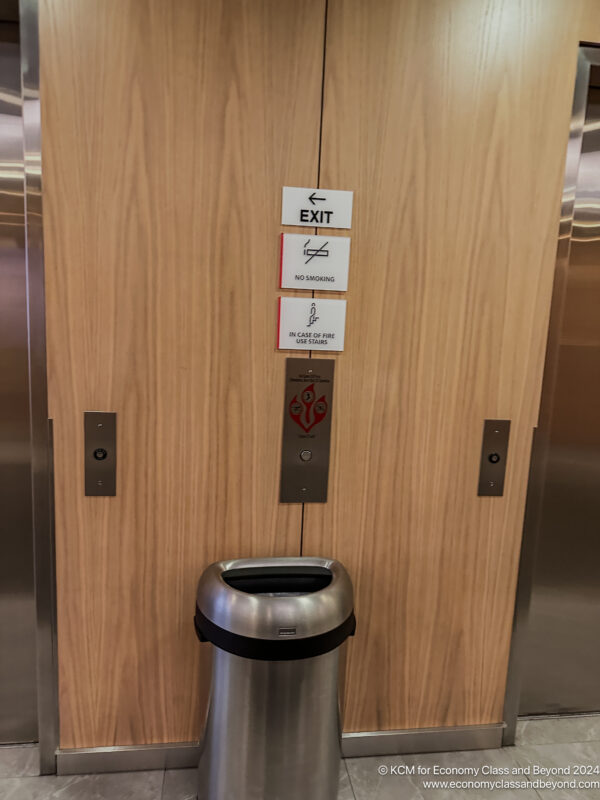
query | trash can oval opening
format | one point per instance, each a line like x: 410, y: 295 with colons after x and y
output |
x: 275, y: 609
x: 283, y: 581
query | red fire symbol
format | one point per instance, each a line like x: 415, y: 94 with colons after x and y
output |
x: 306, y: 412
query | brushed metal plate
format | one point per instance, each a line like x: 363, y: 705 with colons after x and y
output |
x: 306, y: 430
x: 494, y: 452
x: 100, y: 460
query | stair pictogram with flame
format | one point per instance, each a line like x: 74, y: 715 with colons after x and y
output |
x: 308, y: 412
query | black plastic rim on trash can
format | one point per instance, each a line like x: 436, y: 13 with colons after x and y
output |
x: 273, y: 649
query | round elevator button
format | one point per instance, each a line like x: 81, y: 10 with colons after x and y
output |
x: 306, y: 455
x: 100, y: 454
x: 494, y: 458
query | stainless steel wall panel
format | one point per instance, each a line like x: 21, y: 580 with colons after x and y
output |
x: 41, y: 430
x: 561, y: 654
x: 18, y: 702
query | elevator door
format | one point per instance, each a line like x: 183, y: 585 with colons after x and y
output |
x: 18, y: 716
x: 168, y: 132
x: 562, y: 661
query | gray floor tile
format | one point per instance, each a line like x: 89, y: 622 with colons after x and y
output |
x: 345, y: 791
x: 559, y: 731
x: 377, y: 779
x: 479, y: 766
x: 19, y: 761
x: 180, y: 784
x: 109, y: 786
x: 382, y: 778
x: 563, y: 756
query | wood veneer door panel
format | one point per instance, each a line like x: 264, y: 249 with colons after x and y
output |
x: 169, y: 130
x: 449, y: 120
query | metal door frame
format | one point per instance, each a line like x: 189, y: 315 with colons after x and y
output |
x: 41, y: 431
x: 588, y: 56
x: 18, y: 679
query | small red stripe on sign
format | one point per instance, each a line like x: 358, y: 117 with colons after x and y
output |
x: 278, y: 320
x: 281, y: 261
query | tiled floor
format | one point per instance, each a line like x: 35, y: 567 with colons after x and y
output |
x: 548, y: 743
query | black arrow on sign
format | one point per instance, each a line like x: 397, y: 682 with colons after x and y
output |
x: 312, y: 198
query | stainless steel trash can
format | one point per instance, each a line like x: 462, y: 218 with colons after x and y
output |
x: 273, y: 725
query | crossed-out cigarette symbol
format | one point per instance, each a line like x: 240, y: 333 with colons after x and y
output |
x: 311, y: 252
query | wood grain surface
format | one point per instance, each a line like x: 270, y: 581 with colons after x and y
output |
x: 169, y: 130
x: 450, y: 121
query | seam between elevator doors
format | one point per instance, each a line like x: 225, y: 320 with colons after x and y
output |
x: 318, y: 187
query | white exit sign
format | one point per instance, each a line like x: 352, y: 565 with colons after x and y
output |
x: 314, y: 262
x: 317, y: 208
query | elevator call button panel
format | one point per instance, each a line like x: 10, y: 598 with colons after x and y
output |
x: 100, y: 458
x: 494, y: 453
x: 306, y: 430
